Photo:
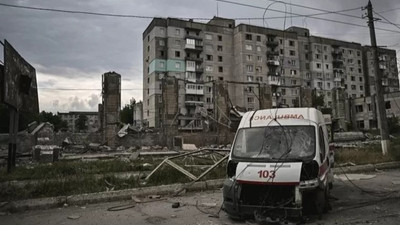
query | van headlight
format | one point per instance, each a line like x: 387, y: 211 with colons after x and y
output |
x: 309, y: 171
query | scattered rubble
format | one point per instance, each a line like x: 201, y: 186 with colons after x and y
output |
x: 46, y: 153
x: 349, y: 136
x: 74, y: 217
x: 175, y: 205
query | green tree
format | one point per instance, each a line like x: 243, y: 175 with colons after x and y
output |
x: 393, y: 124
x: 54, y: 119
x: 126, y: 114
x: 80, y: 123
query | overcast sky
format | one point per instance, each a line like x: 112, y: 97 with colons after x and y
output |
x: 71, y: 51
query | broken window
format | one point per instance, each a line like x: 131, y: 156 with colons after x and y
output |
x: 274, y: 142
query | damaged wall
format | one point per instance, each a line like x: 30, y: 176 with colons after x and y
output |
x: 25, y: 142
x: 209, y: 138
x: 265, y: 96
x: 111, y: 93
x: 169, y: 109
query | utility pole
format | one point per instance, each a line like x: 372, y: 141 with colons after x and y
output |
x: 378, y: 83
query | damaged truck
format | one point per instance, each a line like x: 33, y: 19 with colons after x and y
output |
x: 279, y: 165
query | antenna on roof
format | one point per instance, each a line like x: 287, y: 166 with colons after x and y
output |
x: 217, y: 8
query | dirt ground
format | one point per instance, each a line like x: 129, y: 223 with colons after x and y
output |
x: 374, y: 200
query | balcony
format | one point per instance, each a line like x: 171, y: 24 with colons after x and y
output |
x: 337, y: 79
x: 385, y: 82
x: 199, y: 69
x: 191, y: 58
x: 193, y: 103
x: 337, y: 61
x: 272, y: 43
x: 273, y: 80
x: 337, y: 53
x: 194, y: 89
x: 272, y: 62
x: 276, y: 74
x: 272, y: 53
x: 195, y: 48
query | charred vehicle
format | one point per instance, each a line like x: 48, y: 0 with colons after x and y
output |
x: 279, y: 165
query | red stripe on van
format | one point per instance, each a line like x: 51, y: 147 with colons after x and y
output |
x: 323, y: 167
x: 268, y: 183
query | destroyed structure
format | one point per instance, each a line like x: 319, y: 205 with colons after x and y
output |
x: 110, y: 107
x: 285, y: 66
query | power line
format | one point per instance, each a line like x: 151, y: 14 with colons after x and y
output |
x: 301, y: 15
x: 139, y: 16
x: 389, y: 10
x: 200, y: 18
x: 326, y: 11
x: 396, y: 25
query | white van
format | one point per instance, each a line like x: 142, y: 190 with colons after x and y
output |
x: 279, y: 164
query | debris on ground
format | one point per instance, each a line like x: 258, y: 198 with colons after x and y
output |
x: 154, y: 196
x: 74, y: 217
x: 396, y: 182
x: 175, y: 205
x: 209, y: 204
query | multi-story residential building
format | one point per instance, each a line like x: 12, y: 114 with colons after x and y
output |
x: 388, y: 69
x: 92, y: 120
x: 245, y: 56
x: 363, y: 111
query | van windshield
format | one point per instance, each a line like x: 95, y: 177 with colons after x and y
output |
x: 275, y: 143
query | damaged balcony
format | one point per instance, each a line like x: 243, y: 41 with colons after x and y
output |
x: 188, y: 123
x: 273, y: 62
x: 274, y: 80
x: 194, y: 89
x: 271, y: 42
x: 272, y: 54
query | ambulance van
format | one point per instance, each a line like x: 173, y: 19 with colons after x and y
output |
x: 279, y: 165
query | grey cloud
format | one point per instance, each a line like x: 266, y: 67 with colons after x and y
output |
x: 93, y: 101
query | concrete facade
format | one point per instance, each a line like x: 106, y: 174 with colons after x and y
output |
x: 290, y: 62
x: 92, y: 123
x: 111, y: 107
x: 363, y: 111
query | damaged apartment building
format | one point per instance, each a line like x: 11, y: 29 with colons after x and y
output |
x: 251, y: 62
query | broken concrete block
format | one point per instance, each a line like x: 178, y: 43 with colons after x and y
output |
x: 147, y: 165
x: 94, y: 146
x: 209, y: 204
x: 134, y: 156
x: 157, y: 147
x: 131, y: 149
x: 145, y: 148
x: 189, y: 147
x: 46, y: 153
x: 175, y: 205
x: 124, y: 159
x: 120, y: 148
x: 105, y: 148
